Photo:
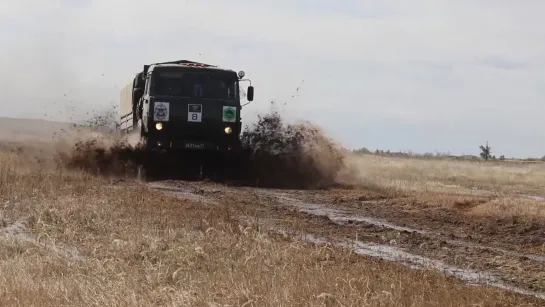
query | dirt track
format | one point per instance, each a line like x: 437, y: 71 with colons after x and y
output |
x: 505, y: 253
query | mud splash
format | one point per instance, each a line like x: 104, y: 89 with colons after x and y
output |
x: 100, y: 149
x: 275, y: 155
x: 291, y: 156
x: 99, y: 157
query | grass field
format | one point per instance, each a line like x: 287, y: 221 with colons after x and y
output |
x: 71, y: 239
x: 417, y: 173
x: 515, y: 188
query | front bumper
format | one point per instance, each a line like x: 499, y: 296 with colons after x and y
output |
x: 229, y: 145
x: 176, y: 136
x: 194, y: 145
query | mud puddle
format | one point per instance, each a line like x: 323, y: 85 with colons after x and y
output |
x: 394, y: 254
x: 537, y: 258
x: 339, y: 217
x: 344, y: 218
x: 185, y: 193
x: 533, y: 197
x: 19, y: 232
x: 486, y: 272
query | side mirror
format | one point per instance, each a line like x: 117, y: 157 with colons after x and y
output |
x: 137, y: 92
x: 250, y: 93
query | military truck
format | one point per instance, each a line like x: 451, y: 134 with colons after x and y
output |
x: 185, y: 106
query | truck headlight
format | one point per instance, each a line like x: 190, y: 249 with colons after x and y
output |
x: 228, y: 130
x: 159, y: 126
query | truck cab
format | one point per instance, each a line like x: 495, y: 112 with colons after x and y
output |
x: 185, y: 105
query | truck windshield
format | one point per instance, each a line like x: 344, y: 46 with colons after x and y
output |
x: 195, y: 85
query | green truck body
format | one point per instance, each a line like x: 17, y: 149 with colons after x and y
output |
x: 184, y: 105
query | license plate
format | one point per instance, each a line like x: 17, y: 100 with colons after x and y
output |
x: 194, y: 146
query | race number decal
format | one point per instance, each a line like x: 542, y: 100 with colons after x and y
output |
x: 161, y: 112
x: 229, y: 114
x: 194, y: 113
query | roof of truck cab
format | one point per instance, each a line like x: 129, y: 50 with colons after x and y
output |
x: 153, y: 66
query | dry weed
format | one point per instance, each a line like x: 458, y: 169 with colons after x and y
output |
x: 128, y: 245
x: 512, y: 207
x: 418, y: 174
x: 501, y: 188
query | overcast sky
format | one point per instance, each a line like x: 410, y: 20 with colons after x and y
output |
x: 420, y: 75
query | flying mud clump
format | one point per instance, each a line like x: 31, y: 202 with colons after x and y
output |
x: 291, y: 156
x: 99, y: 157
x: 99, y: 150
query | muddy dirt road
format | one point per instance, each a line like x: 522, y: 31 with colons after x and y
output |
x: 506, y: 253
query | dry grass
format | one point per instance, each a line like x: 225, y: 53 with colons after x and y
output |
x: 443, y: 182
x: 71, y: 239
x: 511, y: 207
x: 414, y: 173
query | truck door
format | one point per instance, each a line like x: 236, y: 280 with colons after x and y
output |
x: 146, y: 103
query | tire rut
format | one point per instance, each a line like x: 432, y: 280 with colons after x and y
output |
x: 473, y: 262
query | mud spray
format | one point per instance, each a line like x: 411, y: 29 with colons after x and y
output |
x: 276, y: 154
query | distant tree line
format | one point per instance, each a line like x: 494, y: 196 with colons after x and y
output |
x: 485, y: 154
